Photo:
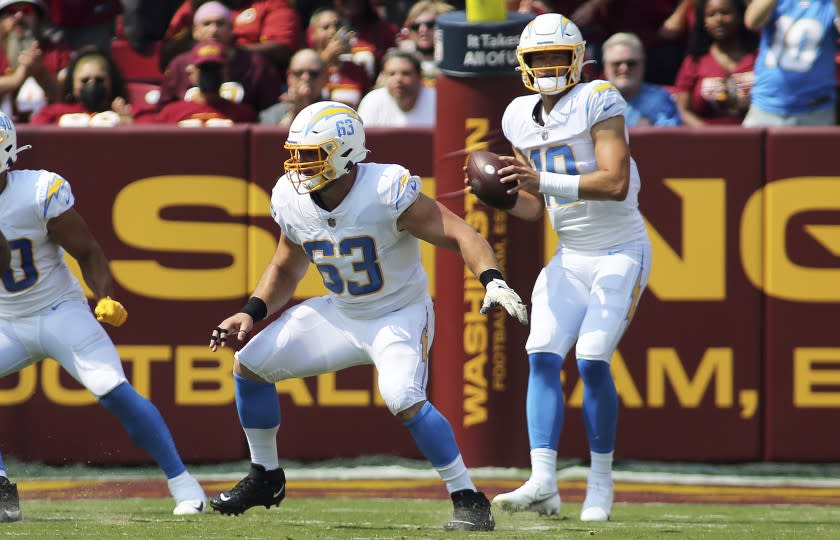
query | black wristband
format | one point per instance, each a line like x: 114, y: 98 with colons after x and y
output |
x: 256, y: 308
x: 489, y: 275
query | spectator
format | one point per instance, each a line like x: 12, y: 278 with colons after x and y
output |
x: 24, y: 43
x: 795, y: 71
x: 250, y: 79
x: 347, y: 81
x: 86, y: 22
x: 404, y: 100
x: 206, y: 106
x: 305, y: 80
x: 624, y: 67
x: 268, y: 27
x: 94, y: 94
x: 373, y: 36
x: 714, y: 82
x: 418, y: 35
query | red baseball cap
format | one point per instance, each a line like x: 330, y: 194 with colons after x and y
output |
x: 208, y: 51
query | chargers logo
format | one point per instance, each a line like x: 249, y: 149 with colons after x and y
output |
x: 53, y: 190
x: 408, y: 184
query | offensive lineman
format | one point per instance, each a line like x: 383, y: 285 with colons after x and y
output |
x: 44, y: 313
x: 359, y: 223
x: 573, y: 162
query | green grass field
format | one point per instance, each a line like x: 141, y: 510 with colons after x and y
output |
x: 350, y: 518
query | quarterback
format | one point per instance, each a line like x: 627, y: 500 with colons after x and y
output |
x: 573, y: 163
x: 44, y: 314
x: 359, y: 224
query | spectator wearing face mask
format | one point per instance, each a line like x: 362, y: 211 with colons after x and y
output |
x: 206, y: 106
x: 94, y: 94
x: 249, y: 78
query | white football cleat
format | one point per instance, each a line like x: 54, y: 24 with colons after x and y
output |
x: 530, y: 497
x: 189, y: 507
x: 599, y: 498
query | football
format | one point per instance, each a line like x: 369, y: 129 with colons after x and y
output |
x: 485, y: 183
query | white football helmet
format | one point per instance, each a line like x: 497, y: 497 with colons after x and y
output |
x: 551, y: 32
x: 8, y: 143
x: 332, y: 138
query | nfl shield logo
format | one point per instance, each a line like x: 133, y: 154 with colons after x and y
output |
x: 331, y: 222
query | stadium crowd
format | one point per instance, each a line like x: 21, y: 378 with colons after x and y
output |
x: 676, y: 62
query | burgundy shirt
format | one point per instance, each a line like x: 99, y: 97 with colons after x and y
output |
x: 709, y: 85
x: 190, y: 113
x: 261, y: 82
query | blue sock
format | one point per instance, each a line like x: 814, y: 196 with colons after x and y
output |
x: 544, y: 406
x: 256, y: 403
x: 600, y: 405
x: 144, y: 423
x: 434, y: 436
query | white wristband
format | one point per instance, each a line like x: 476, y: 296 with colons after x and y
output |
x: 566, y: 186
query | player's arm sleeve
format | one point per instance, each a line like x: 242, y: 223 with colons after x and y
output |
x: 53, y: 195
x: 604, y: 102
x: 398, y: 189
x: 277, y: 202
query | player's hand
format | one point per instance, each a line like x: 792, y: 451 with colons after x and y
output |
x: 110, y: 311
x: 499, y: 293
x: 238, y: 324
x: 520, y: 176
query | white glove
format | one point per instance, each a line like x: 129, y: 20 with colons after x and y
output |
x: 500, y: 294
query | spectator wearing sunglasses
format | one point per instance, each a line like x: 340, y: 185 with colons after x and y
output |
x: 624, y: 66
x: 305, y: 79
x: 418, y: 35
x: 94, y: 94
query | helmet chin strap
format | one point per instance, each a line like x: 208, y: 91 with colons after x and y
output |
x: 22, y: 148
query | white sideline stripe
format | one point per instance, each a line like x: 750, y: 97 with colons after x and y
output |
x: 394, y: 472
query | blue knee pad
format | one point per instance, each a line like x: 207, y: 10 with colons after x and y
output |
x: 256, y: 403
x: 145, y: 425
x: 544, y: 406
x: 433, y: 435
x: 600, y: 405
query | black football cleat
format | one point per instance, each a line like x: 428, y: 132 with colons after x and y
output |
x: 472, y: 512
x: 259, y: 488
x: 9, y: 502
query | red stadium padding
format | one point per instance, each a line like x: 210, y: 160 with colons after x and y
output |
x: 733, y: 354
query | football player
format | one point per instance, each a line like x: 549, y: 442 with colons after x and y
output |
x: 44, y: 313
x: 572, y: 162
x: 359, y: 224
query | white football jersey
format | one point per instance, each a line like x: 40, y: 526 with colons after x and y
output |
x: 369, y: 267
x: 38, y: 277
x: 564, y: 145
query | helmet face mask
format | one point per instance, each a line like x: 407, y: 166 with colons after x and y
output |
x: 326, y: 140
x: 551, y: 33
